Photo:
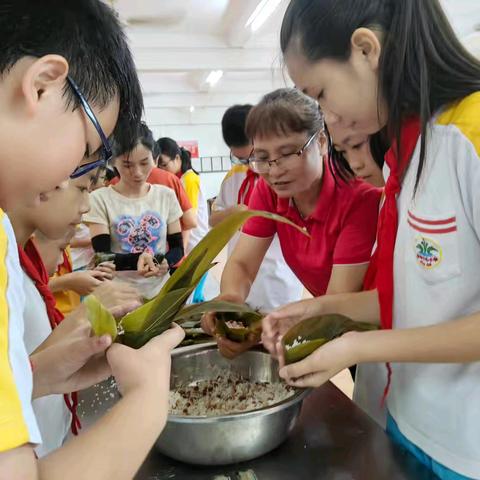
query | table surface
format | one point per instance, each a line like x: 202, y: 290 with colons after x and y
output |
x: 333, y: 440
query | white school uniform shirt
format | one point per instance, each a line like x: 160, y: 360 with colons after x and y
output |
x: 275, y: 284
x: 52, y: 414
x: 436, y: 280
x: 18, y: 425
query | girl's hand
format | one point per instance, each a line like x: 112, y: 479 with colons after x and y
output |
x: 324, y: 363
x: 83, y: 282
x: 107, y: 268
x: 146, y: 266
x: 160, y: 271
x: 278, y: 322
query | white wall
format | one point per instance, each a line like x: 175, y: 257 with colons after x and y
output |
x: 209, y: 137
x: 204, y: 125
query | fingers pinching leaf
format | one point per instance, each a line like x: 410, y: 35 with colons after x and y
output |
x: 308, y: 335
x: 101, y: 320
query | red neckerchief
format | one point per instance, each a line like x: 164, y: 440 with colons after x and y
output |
x: 34, y: 267
x: 388, y: 225
x: 246, y: 188
x: 370, y: 279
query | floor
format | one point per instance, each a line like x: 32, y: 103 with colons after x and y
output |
x: 343, y: 380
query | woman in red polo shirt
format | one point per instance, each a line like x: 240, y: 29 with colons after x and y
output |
x: 299, y: 181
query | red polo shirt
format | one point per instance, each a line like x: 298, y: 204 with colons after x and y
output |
x: 342, y: 228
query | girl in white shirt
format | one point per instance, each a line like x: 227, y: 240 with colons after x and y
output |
x: 137, y: 221
x: 398, y: 66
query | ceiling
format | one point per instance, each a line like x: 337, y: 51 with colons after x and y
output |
x: 177, y: 44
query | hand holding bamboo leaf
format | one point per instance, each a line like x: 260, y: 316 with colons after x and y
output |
x: 156, y: 316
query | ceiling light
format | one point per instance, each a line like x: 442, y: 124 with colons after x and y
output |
x: 213, y: 77
x: 259, y: 16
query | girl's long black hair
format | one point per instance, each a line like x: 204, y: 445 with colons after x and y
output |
x: 423, y: 66
x: 169, y: 147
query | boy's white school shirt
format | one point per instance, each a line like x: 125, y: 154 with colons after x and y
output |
x: 53, y: 416
x: 18, y: 425
x: 436, y: 280
x: 275, y: 284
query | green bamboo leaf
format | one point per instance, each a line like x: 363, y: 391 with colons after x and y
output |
x: 200, y: 258
x: 306, y: 336
x: 135, y: 321
x: 299, y: 352
x: 173, y: 301
x: 156, y: 315
x: 164, y: 298
x: 101, y: 320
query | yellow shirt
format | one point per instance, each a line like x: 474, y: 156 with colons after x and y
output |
x: 17, y: 420
x: 67, y: 300
x: 191, y: 183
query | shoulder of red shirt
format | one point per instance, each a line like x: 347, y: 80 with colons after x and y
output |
x: 345, y: 191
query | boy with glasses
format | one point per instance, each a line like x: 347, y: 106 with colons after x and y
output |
x: 67, y: 83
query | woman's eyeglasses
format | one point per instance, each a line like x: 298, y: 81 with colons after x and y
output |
x: 259, y: 165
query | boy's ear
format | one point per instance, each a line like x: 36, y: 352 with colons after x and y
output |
x: 43, y: 78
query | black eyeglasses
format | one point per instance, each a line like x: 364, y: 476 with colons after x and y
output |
x: 263, y: 166
x: 106, y: 154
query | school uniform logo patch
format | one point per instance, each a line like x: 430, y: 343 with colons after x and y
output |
x: 429, y: 252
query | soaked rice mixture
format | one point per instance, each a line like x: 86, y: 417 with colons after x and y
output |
x: 224, y: 395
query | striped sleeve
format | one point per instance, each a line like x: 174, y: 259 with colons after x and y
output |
x: 17, y: 420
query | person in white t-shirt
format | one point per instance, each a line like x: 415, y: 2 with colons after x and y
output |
x: 137, y: 221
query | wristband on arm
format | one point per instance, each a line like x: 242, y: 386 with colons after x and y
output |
x: 123, y: 261
x: 176, y: 251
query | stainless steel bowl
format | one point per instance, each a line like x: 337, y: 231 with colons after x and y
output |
x: 230, y: 438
